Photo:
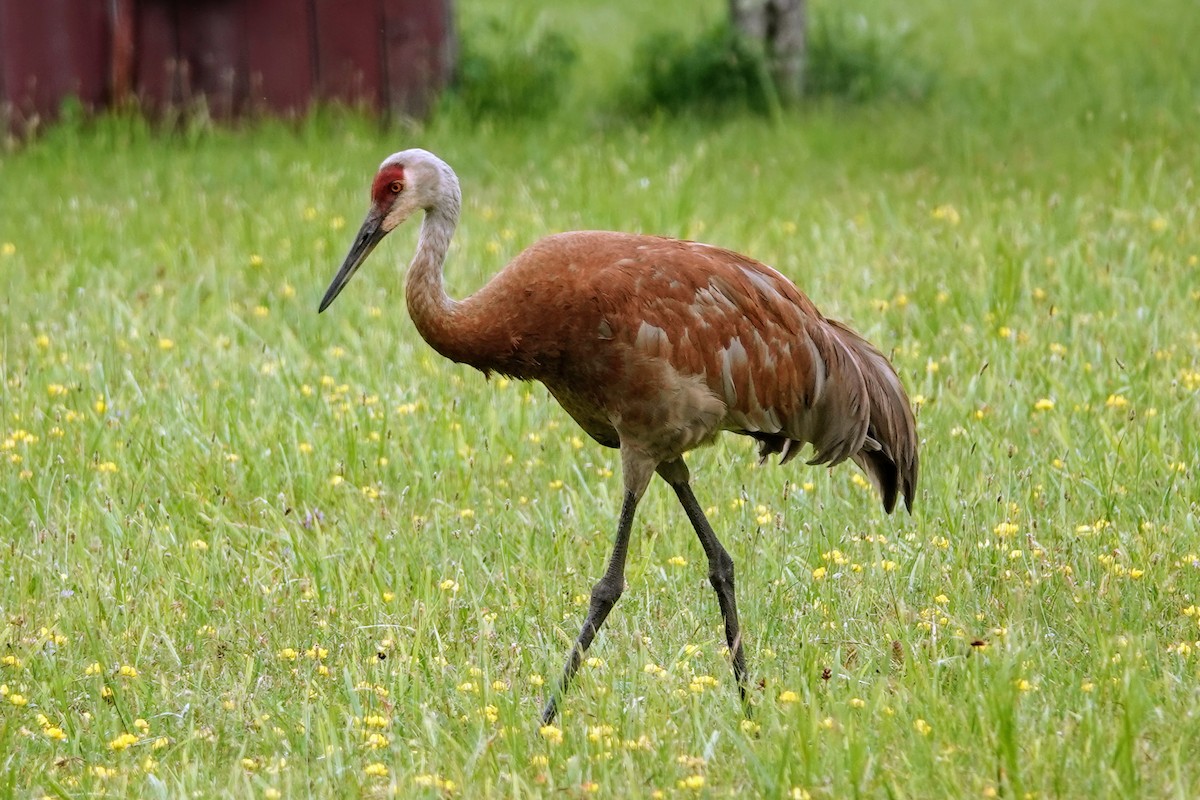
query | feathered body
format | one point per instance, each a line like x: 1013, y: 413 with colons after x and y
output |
x: 655, y: 346
x: 663, y: 344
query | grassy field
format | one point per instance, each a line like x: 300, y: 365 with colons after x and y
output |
x: 252, y: 552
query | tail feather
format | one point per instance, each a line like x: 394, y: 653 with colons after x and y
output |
x: 889, y: 455
x: 861, y: 412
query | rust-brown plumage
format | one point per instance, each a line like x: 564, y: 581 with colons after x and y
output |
x: 654, y: 346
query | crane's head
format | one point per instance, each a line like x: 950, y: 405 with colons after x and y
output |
x: 406, y: 182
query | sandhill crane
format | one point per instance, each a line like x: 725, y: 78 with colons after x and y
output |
x: 653, y: 346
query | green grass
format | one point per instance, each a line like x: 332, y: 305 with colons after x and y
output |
x: 301, y: 531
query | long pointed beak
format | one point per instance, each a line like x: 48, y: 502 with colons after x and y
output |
x: 368, y: 236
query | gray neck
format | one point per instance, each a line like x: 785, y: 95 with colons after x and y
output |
x: 435, y: 314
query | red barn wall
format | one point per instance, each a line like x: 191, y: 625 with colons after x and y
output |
x: 239, y: 56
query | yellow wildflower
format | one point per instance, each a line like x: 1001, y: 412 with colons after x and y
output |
x: 122, y: 742
x: 946, y: 213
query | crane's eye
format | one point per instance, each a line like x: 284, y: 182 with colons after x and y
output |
x: 397, y: 187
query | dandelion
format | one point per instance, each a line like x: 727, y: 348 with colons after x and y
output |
x: 1044, y: 404
x: 787, y: 696
x: 165, y: 344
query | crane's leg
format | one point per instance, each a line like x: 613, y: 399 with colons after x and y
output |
x: 636, y: 472
x: 720, y: 567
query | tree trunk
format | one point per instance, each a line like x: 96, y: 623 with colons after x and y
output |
x: 781, y: 27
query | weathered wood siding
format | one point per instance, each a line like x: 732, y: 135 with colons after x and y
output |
x: 240, y: 56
